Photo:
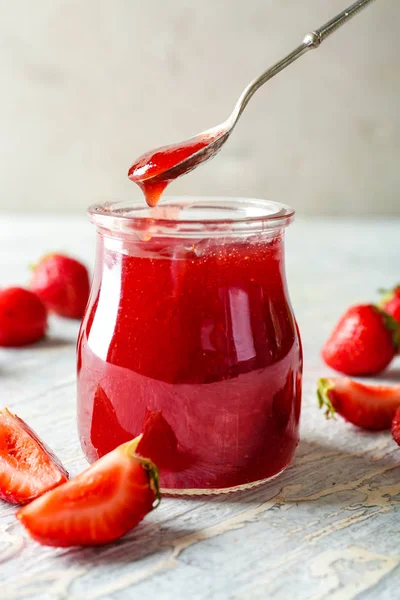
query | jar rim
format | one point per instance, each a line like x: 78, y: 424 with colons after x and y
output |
x: 191, y: 215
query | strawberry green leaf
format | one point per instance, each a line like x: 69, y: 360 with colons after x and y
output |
x: 323, y: 388
x: 392, y: 325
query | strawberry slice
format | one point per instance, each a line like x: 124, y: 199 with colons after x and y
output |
x: 367, y: 406
x: 97, y: 507
x: 396, y: 427
x: 28, y: 468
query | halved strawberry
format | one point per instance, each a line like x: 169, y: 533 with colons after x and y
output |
x: 367, y: 406
x: 28, y: 468
x: 396, y: 427
x: 99, y: 506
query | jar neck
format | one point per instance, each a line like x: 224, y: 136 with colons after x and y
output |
x: 182, y: 246
x: 192, y: 218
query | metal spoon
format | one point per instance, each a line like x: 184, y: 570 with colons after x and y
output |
x: 213, y: 139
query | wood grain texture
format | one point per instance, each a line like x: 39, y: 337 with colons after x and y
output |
x: 326, y: 528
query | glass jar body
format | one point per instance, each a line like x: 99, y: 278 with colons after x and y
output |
x: 194, y: 343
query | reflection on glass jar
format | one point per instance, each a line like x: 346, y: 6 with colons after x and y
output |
x: 189, y: 336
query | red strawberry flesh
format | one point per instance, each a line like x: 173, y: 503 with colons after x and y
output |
x: 99, y: 506
x: 28, y: 468
x: 367, y: 406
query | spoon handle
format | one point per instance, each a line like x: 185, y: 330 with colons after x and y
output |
x: 311, y: 40
x: 323, y: 32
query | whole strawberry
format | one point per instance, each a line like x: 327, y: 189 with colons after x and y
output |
x: 390, y: 302
x: 23, y: 317
x: 364, y: 341
x: 62, y: 283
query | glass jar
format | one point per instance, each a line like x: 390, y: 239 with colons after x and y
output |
x: 189, y: 337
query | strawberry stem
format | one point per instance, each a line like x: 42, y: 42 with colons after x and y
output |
x: 391, y: 324
x: 389, y: 292
x: 154, y: 478
x: 323, y: 388
x: 147, y: 465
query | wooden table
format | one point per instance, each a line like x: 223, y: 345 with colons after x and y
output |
x: 327, y: 528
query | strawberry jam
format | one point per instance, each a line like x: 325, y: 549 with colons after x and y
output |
x: 190, y: 339
x: 154, y: 170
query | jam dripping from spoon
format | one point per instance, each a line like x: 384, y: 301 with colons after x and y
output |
x: 154, y: 170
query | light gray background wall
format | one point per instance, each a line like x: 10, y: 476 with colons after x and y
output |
x: 86, y: 86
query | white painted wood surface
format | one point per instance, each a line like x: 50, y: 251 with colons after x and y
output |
x: 327, y: 528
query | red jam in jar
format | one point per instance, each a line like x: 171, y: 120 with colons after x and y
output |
x: 189, y: 337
